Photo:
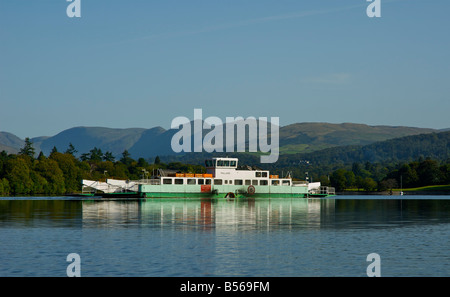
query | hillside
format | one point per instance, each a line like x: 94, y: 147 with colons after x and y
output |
x: 86, y: 138
x: 309, y: 137
x: 10, y: 142
x: 8, y: 149
x: 408, y: 148
x: 435, y: 146
x: 297, y: 138
x: 431, y: 145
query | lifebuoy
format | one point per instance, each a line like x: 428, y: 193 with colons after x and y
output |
x: 251, y: 190
x: 230, y: 195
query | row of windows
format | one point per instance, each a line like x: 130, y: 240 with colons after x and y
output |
x: 238, y: 182
x: 220, y: 163
x: 189, y: 181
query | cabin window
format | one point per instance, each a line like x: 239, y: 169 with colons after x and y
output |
x: 219, y: 163
x: 178, y: 181
x: 263, y: 182
x: 191, y: 181
x: 255, y: 182
x: 238, y: 182
x: 218, y: 182
x: 258, y: 173
x: 226, y: 163
x: 248, y: 182
x: 232, y: 163
x: 207, y: 181
x: 230, y: 182
x: 226, y: 182
x: 275, y: 182
x: 201, y: 181
x: 167, y: 181
x: 264, y: 174
x: 286, y: 182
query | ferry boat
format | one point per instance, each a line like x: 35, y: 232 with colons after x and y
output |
x: 225, y: 179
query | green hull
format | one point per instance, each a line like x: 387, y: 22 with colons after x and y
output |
x: 222, y: 195
x: 168, y: 192
x: 81, y: 195
x: 195, y: 191
x: 122, y: 195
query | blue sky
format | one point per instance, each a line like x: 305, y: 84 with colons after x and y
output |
x: 142, y: 63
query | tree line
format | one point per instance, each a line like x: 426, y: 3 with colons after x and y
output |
x: 376, y: 177
x: 359, y: 175
x: 62, y: 172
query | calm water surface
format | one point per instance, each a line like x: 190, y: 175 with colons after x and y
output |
x: 196, y: 237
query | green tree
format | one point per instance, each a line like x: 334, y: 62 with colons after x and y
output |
x: 324, y: 180
x: 71, y: 170
x: 408, y: 175
x: 108, y: 156
x: 121, y: 171
x: 28, y: 149
x: 2, y: 168
x: 338, y: 180
x: 71, y: 150
x: 4, y: 187
x: 96, y: 155
x: 358, y: 170
x: 3, y: 155
x: 429, y: 173
x: 350, y: 179
x: 40, y: 184
x: 54, y: 150
x: 359, y: 181
x: 84, y: 157
x: 387, y: 184
x: 445, y: 173
x: 50, y: 170
x: 18, y: 175
x: 142, y: 163
x: 126, y: 159
x: 368, y: 184
x: 41, y: 156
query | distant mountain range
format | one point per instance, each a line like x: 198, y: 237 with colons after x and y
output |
x: 406, y: 149
x: 148, y: 143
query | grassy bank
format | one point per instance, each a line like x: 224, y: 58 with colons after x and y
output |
x: 428, y: 188
x: 437, y: 189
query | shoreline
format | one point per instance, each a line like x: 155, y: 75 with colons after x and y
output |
x: 394, y: 193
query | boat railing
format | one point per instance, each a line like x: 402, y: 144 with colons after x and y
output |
x: 154, y: 182
x: 299, y: 183
x: 324, y: 190
x: 331, y: 191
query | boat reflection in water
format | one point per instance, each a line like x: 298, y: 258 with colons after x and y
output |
x: 205, y: 213
x: 220, y: 237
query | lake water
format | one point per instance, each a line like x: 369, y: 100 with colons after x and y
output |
x: 226, y: 238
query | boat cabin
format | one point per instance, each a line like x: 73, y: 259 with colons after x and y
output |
x: 227, y: 169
